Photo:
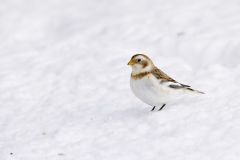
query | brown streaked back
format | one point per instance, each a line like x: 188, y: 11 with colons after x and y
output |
x: 161, y: 75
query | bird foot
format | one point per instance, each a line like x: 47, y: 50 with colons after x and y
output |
x: 153, y: 108
x: 162, y: 107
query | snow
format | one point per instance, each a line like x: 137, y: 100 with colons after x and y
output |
x: 64, y: 82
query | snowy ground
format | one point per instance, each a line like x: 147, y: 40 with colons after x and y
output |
x: 64, y: 82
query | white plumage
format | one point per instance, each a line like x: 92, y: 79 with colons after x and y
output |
x: 153, y: 92
x: 154, y: 87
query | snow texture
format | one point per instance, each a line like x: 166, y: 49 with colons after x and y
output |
x: 64, y: 82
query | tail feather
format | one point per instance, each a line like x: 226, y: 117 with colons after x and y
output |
x: 193, y: 90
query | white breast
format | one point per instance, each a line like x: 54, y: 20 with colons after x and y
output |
x: 150, y: 91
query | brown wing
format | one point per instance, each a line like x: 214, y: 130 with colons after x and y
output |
x: 161, y: 75
x: 165, y: 78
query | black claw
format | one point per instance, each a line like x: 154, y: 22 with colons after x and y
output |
x: 162, y: 107
x: 153, y: 108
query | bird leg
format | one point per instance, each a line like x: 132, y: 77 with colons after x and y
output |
x: 162, y: 107
x: 153, y: 108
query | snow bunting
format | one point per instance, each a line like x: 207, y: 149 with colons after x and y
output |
x: 152, y: 85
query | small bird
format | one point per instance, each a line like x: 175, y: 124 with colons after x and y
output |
x: 153, y: 86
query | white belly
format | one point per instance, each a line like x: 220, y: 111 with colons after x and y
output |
x: 150, y: 91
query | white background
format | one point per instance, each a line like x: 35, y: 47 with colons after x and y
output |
x: 64, y: 82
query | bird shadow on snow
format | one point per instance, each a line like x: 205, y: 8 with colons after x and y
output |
x: 187, y: 107
x: 136, y: 111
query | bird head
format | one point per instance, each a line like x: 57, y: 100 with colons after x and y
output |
x: 140, y: 63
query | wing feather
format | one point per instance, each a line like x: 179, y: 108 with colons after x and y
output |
x: 161, y: 75
x: 164, y: 78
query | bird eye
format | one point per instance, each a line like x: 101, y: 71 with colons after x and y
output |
x: 138, y: 60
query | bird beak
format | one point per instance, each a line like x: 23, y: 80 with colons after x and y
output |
x: 130, y: 63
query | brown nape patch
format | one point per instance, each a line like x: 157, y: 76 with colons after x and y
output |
x: 139, y: 75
